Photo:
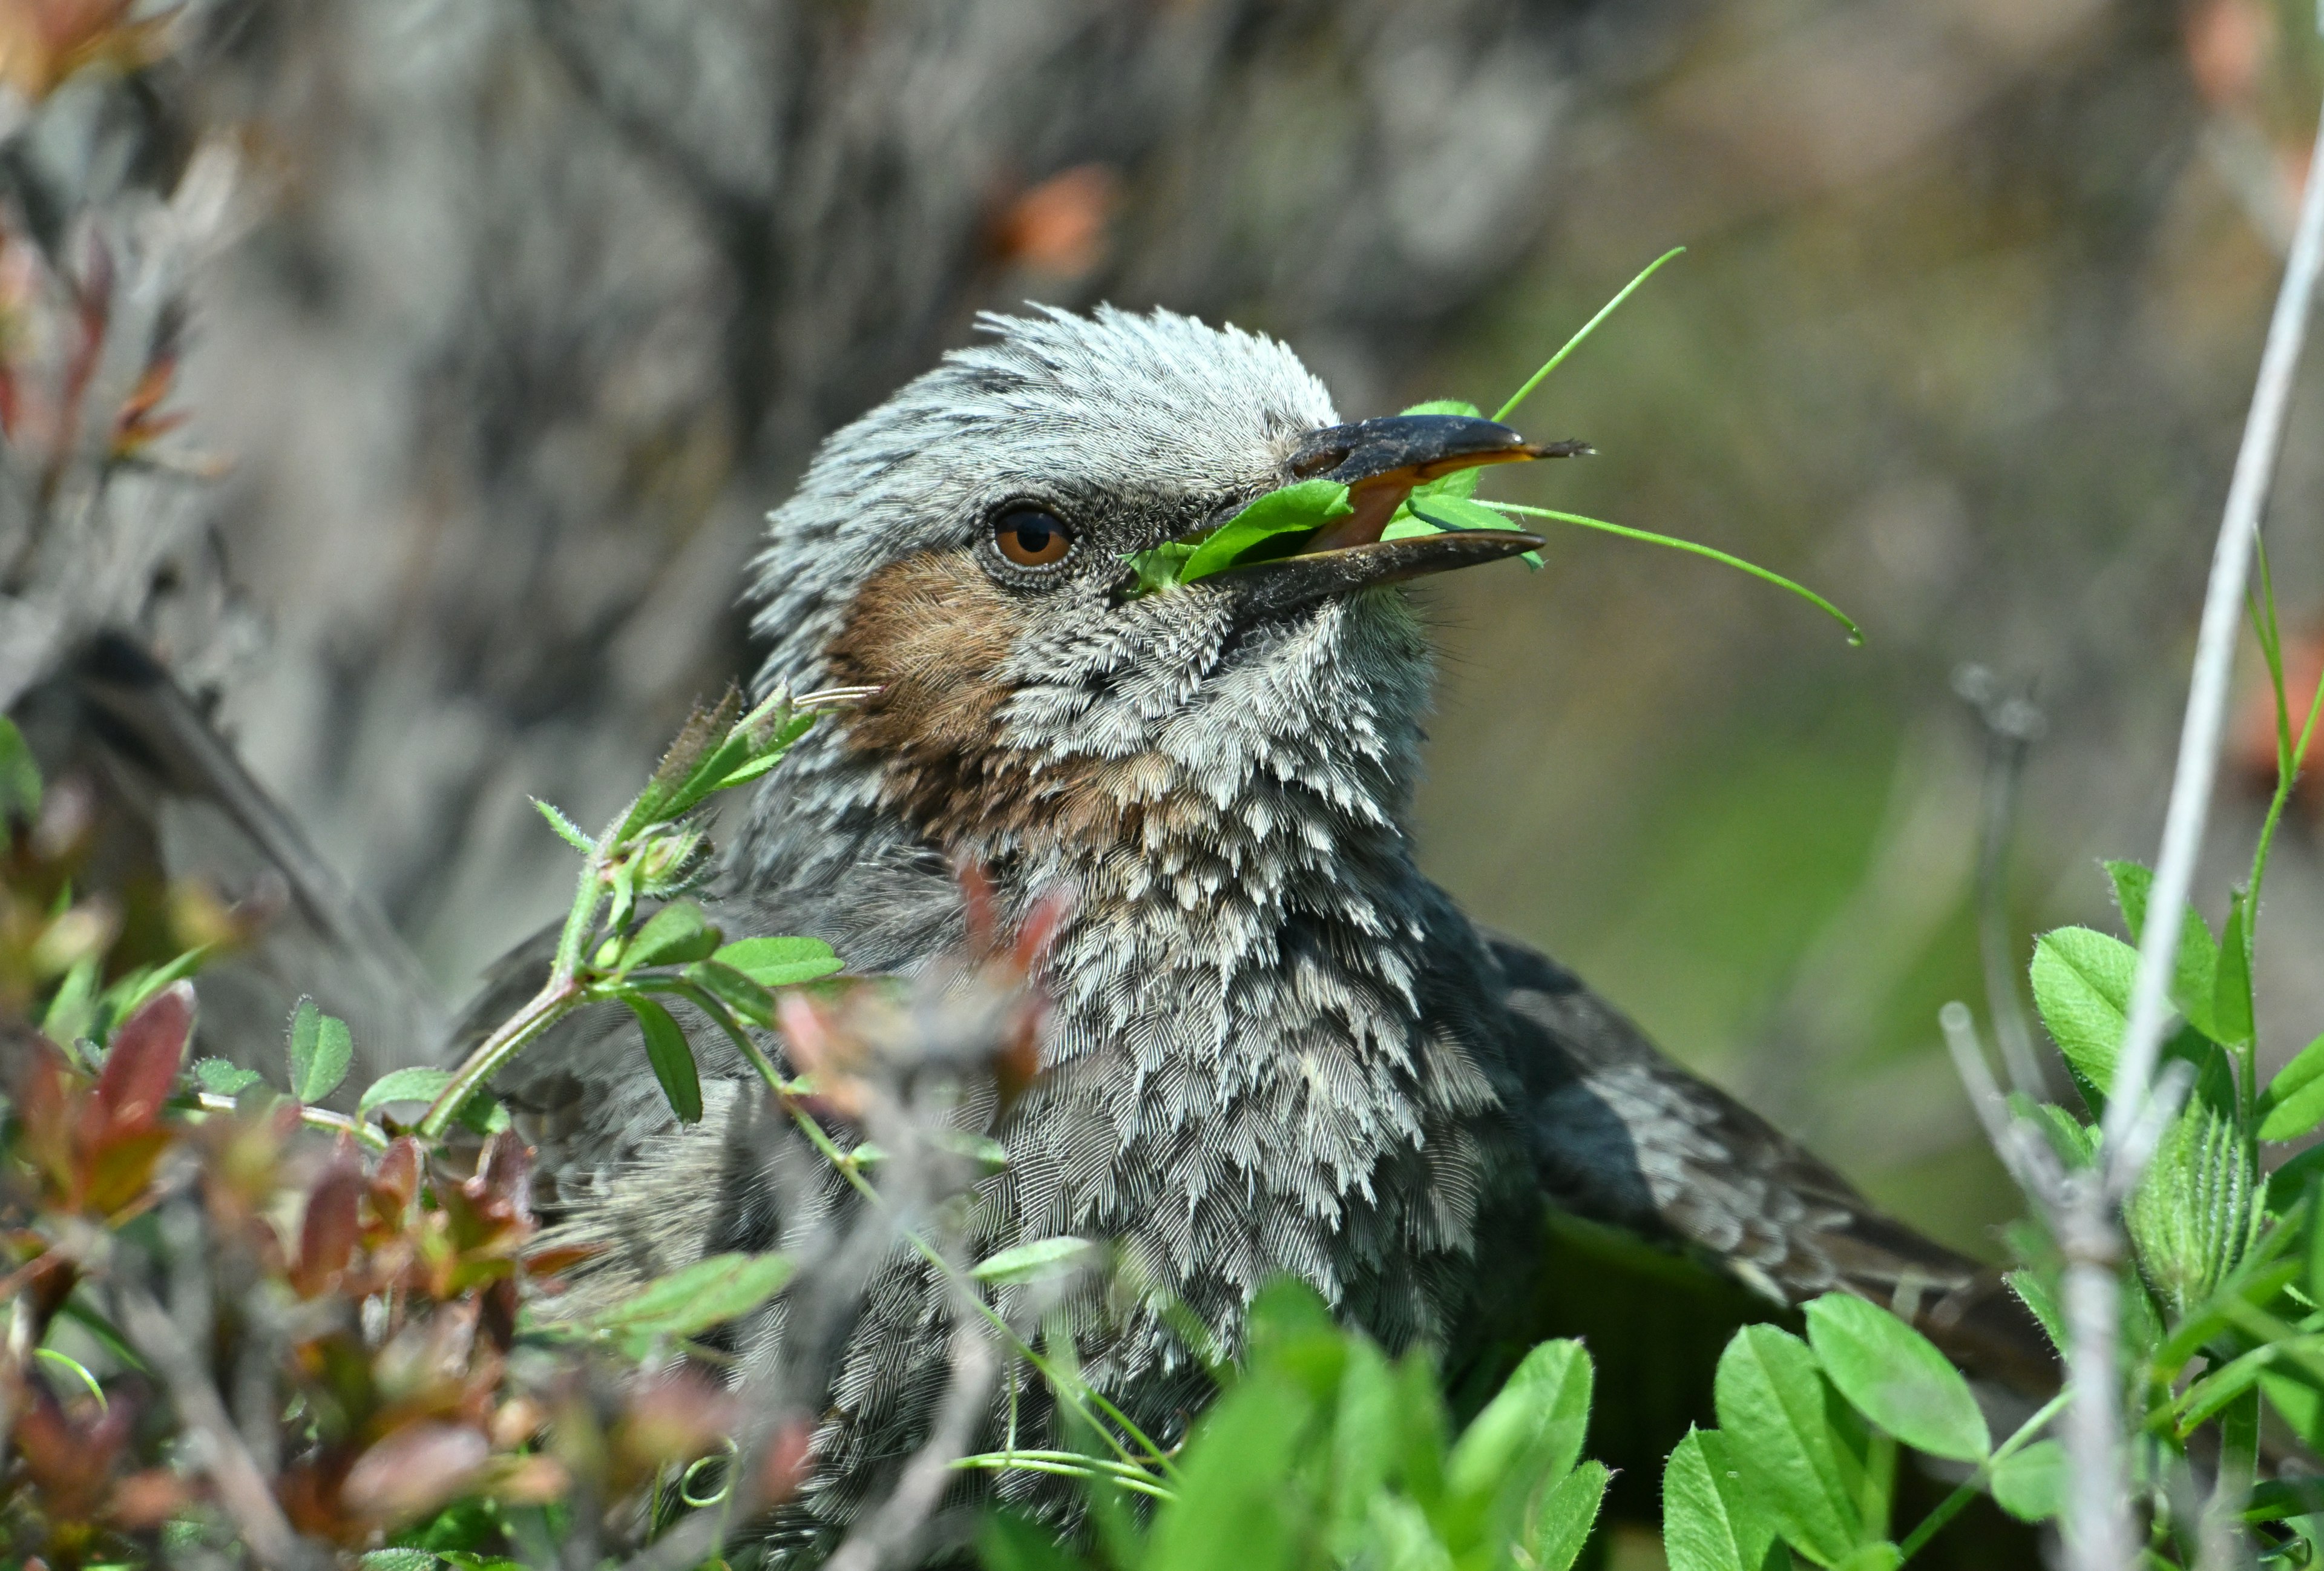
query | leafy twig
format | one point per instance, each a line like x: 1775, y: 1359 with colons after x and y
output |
x: 2100, y: 1532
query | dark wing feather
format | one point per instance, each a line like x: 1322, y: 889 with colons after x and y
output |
x: 1619, y: 1134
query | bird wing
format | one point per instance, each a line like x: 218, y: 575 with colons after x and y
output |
x: 1619, y: 1134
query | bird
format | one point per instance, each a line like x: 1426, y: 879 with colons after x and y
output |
x: 1273, y: 1047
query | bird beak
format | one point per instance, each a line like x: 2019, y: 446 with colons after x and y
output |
x: 1380, y: 461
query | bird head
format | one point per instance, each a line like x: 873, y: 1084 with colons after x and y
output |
x: 962, y: 549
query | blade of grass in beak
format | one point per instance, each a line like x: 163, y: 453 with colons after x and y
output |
x: 1855, y: 634
x: 1588, y: 327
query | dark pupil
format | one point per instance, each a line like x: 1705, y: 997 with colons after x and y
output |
x: 1034, y: 531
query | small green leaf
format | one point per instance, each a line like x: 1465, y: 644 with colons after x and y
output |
x: 1290, y: 509
x: 19, y: 776
x: 2031, y: 1485
x: 2040, y: 1303
x: 1881, y: 1556
x: 737, y: 992
x: 779, y: 962
x: 1042, y: 1259
x: 2231, y: 989
x: 222, y: 1078
x: 1536, y: 1423
x: 1160, y: 568
x: 1446, y: 406
x: 75, y: 1369
x: 417, y: 1084
x: 2081, y: 985
x: 1421, y: 516
x: 321, y: 1051
x: 1777, y: 1413
x: 567, y: 829
x: 677, y: 933
x: 709, y: 1292
x: 671, y: 1056
x: 1710, y: 1520
x: 2197, y: 960
x: 1560, y: 1527
x: 2197, y: 1210
x: 2293, y: 1102
x: 1364, y: 1434
x: 1895, y: 1377
x: 398, y: 1560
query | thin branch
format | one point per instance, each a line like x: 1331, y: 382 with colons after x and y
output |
x: 2100, y: 1532
x: 242, y: 1488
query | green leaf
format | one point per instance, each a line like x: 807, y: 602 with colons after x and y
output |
x: 567, y: 829
x: 671, y: 1055
x: 2081, y: 985
x: 74, y: 1370
x: 1237, y: 1506
x: 1881, y: 1556
x: 2293, y: 1102
x: 2195, y: 966
x: 677, y: 933
x: 1446, y: 406
x: 1561, y: 1528
x: 321, y: 1051
x: 1534, y: 1424
x: 222, y: 1077
x: 2231, y: 989
x: 779, y: 962
x: 1777, y: 1415
x: 2031, y: 1485
x: 1710, y: 1520
x: 2042, y: 1303
x: 737, y: 992
x: 1291, y: 510
x: 1160, y: 568
x: 709, y: 1292
x: 1365, y: 1432
x: 398, y: 1560
x: 19, y: 776
x: 1042, y: 1259
x: 2197, y: 1210
x: 417, y: 1084
x: 1006, y: 1541
x: 1438, y: 514
x: 1895, y: 1377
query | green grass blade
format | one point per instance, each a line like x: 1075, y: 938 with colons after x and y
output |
x: 1855, y: 634
x: 1588, y: 327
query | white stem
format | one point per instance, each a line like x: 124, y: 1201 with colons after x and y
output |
x: 2100, y: 1532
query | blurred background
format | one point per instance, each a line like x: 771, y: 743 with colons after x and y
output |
x: 496, y: 326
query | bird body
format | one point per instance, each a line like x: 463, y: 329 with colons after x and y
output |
x: 1273, y: 1046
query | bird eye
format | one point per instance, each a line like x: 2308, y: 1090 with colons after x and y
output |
x: 1032, y: 538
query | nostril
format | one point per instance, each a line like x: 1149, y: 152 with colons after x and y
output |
x: 1315, y: 461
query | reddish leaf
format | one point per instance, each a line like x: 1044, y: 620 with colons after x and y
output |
x: 395, y: 1181
x: 786, y: 1463
x: 146, y: 1500
x: 327, y: 1236
x: 414, y: 1470
x: 143, y: 1063
x: 677, y: 1419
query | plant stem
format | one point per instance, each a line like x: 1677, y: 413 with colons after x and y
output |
x: 549, y: 1006
x: 1951, y: 1506
x: 368, y: 1135
x: 2099, y: 1530
x: 1069, y: 1392
x: 1588, y: 327
x: 1855, y: 634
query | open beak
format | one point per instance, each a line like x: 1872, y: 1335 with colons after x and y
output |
x: 1380, y: 461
